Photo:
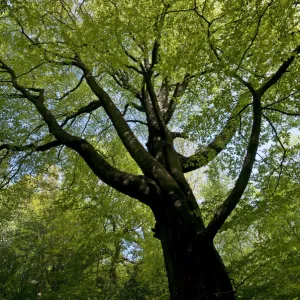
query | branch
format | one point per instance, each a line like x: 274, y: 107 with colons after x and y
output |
x: 137, y: 121
x: 135, y: 186
x: 249, y: 276
x: 234, y: 197
x: 148, y: 74
x: 255, y: 34
x: 14, y: 170
x: 155, y: 106
x: 72, y: 90
x: 281, y: 100
x: 134, y: 59
x: 139, y: 187
x: 132, y: 104
x: 281, y: 145
x: 134, y: 68
x: 180, y: 88
x: 121, y: 79
x: 86, y: 109
x: 246, y: 84
x: 179, y: 135
x: 278, y: 74
x: 33, y: 68
x: 33, y: 147
x: 142, y: 157
x: 15, y: 84
x: 208, y: 153
x: 163, y: 95
x: 293, y: 230
x: 282, y: 112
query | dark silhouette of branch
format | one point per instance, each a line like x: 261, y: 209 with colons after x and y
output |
x: 33, y: 147
x: 72, y: 90
x: 281, y: 100
x: 132, y: 104
x: 278, y: 74
x: 282, y: 112
x: 83, y: 110
x: 283, y: 148
x: 137, y: 121
x: 255, y: 34
x: 121, y: 78
x: 241, y: 183
x: 249, y: 276
x: 6, y: 179
x: 33, y: 68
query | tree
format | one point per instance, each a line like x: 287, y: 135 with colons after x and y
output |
x: 72, y: 72
x: 263, y: 230
x: 70, y: 243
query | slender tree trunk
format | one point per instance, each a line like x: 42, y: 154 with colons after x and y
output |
x: 194, y: 268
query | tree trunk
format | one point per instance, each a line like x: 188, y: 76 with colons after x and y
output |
x: 194, y: 268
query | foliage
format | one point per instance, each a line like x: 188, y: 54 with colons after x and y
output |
x: 78, y: 241
x: 260, y: 242
x: 117, y: 82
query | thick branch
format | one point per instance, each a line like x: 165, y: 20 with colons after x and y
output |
x: 208, y: 153
x: 142, y: 157
x: 278, y: 74
x: 155, y: 105
x: 132, y: 185
x: 139, y: 187
x: 163, y: 95
x: 234, y: 197
x: 151, y: 117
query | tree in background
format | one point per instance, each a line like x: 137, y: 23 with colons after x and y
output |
x: 83, y: 241
x: 260, y: 242
x: 73, y: 238
x: 223, y: 74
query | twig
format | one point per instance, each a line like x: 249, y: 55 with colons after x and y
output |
x: 282, y: 146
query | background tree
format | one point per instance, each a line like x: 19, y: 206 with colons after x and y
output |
x: 62, y: 241
x: 260, y: 242
x: 73, y: 71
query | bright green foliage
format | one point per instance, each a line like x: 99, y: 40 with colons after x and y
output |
x: 66, y: 234
x: 233, y: 38
x: 269, y: 238
x: 78, y: 240
x: 260, y: 242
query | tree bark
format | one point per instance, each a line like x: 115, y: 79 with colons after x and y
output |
x: 194, y: 268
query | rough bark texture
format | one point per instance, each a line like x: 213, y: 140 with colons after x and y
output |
x: 195, y: 270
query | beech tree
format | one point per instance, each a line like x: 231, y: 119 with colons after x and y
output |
x: 84, y: 241
x: 223, y: 74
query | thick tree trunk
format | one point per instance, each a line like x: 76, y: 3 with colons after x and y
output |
x: 194, y: 268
